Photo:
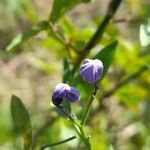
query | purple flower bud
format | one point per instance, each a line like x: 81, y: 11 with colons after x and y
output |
x: 60, y: 91
x: 73, y: 95
x: 91, y: 70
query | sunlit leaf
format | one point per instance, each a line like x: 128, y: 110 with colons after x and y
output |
x: 43, y: 25
x: 106, y: 55
x: 60, y: 7
x: 67, y: 27
x: 145, y: 34
x: 28, y: 7
x: 42, y: 65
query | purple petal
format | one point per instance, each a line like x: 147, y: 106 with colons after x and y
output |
x: 60, y: 91
x: 73, y: 95
x: 91, y: 70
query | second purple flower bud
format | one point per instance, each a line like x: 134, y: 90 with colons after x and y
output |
x: 64, y: 92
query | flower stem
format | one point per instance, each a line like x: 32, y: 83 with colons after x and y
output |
x: 85, y: 138
x: 85, y: 115
x: 69, y: 116
x: 78, y: 128
x: 57, y: 143
x: 87, y: 109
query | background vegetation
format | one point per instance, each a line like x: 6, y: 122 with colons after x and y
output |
x: 54, y: 35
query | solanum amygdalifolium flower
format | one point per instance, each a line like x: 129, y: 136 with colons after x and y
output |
x: 64, y: 92
x: 59, y: 93
x: 91, y: 70
x: 73, y: 95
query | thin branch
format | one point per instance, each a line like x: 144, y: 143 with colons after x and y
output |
x: 113, y: 6
x: 57, y: 143
x: 89, y: 104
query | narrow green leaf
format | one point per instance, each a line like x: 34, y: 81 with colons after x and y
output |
x: 106, y: 55
x: 43, y: 25
x: 60, y: 7
x: 21, y: 120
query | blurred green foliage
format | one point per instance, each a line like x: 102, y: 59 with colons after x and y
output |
x: 34, y: 62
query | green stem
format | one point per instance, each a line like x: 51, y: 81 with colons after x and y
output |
x: 85, y: 138
x: 57, y: 143
x: 78, y: 128
x: 85, y: 115
x: 113, y: 6
x: 87, y: 109
x: 69, y: 116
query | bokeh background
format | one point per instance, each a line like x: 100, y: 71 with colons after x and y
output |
x: 35, y: 67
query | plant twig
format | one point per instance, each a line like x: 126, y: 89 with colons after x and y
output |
x: 87, y: 109
x: 58, y: 143
x: 85, y: 139
x: 69, y: 116
x: 85, y: 115
x: 113, y: 6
